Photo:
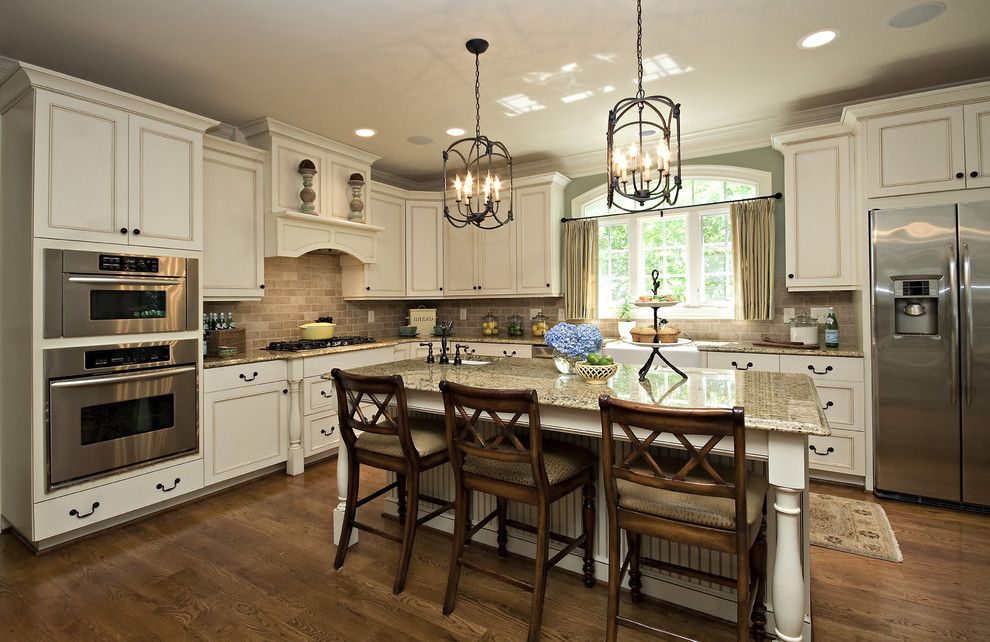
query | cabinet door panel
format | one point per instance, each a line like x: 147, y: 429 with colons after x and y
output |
x: 534, y: 229
x: 166, y: 194
x: 80, y: 170
x: 245, y: 430
x: 977, y: 144
x: 424, y: 242
x: 386, y: 277
x: 915, y: 153
x: 459, y: 261
x: 233, y: 226
x: 287, y: 183
x: 497, y: 259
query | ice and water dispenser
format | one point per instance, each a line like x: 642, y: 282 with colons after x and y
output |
x: 916, y: 305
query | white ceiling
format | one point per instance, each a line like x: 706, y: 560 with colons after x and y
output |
x: 399, y: 66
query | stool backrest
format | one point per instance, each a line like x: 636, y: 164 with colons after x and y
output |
x: 363, y: 403
x: 467, y: 410
x: 641, y: 467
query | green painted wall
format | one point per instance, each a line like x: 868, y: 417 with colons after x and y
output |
x: 763, y: 158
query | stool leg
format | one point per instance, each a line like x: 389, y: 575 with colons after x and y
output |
x: 742, y: 595
x: 468, y: 520
x: 409, y: 533
x: 614, y: 566
x: 349, y: 511
x: 759, y: 568
x: 401, y: 492
x: 502, y: 539
x: 635, y: 579
x: 588, y: 514
x: 457, y: 550
x: 540, y: 581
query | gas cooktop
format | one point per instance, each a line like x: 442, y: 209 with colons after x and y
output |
x: 310, y: 344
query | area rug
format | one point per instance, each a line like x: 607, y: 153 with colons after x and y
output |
x: 852, y: 526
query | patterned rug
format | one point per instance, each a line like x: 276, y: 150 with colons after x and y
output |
x: 852, y: 526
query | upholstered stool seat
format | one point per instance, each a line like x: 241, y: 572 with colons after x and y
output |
x: 562, y: 462
x: 428, y: 438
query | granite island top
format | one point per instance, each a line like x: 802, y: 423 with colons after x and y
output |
x: 746, y: 346
x: 772, y: 401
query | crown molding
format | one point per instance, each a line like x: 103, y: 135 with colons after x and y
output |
x: 267, y: 126
x: 398, y: 181
x: 7, y: 65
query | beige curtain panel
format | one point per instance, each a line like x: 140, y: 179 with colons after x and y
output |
x: 753, y: 233
x: 581, y: 269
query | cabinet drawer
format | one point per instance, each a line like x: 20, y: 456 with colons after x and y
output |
x: 250, y: 374
x: 502, y: 349
x: 843, y: 404
x: 322, y: 432
x: 744, y: 361
x: 318, y: 396
x: 322, y: 364
x: 842, y: 452
x: 823, y: 368
x: 69, y: 512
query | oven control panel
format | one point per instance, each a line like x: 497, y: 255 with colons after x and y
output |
x: 115, y: 357
x: 119, y: 263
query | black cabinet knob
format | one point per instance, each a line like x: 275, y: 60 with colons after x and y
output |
x: 136, y: 231
x: 959, y: 174
x: 974, y: 174
x: 285, y: 391
x: 441, y: 289
x: 479, y: 287
x: 123, y: 230
x: 367, y: 287
x: 790, y: 276
x: 548, y: 285
x: 262, y: 286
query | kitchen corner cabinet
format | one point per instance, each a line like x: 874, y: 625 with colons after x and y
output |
x: 245, y: 422
x: 425, y: 225
x: 386, y: 278
x: 233, y: 221
x: 819, y: 240
x: 104, y: 174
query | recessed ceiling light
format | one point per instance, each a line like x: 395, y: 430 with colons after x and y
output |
x: 914, y: 16
x: 818, y: 38
x: 364, y: 132
x: 455, y: 131
x: 420, y: 140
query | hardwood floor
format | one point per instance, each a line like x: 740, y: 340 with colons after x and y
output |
x: 255, y: 563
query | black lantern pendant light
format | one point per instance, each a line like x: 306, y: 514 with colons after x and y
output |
x: 647, y: 125
x: 471, y: 169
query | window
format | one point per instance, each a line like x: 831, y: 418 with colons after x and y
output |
x: 690, y: 249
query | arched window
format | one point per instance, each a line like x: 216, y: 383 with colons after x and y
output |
x: 691, y: 248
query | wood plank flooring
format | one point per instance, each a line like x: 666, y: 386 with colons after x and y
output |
x: 255, y: 563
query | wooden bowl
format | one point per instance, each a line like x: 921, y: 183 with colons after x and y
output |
x: 596, y: 374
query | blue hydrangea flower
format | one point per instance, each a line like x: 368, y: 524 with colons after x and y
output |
x: 576, y: 341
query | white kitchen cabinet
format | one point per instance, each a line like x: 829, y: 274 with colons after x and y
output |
x: 245, y: 429
x: 233, y: 221
x: 819, y: 241
x: 80, y: 170
x: 537, y: 210
x: 496, y: 260
x: 425, y: 225
x: 321, y: 434
x: 385, y: 278
x: 744, y: 361
x: 460, y: 262
x: 976, y: 119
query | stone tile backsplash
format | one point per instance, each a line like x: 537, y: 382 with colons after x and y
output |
x: 301, y: 289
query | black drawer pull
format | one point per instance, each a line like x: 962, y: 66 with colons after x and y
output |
x: 324, y: 393
x: 162, y: 488
x: 244, y: 376
x: 323, y: 431
x: 828, y: 451
x: 828, y: 404
x: 828, y: 369
x: 506, y: 353
x: 749, y: 364
x: 78, y: 515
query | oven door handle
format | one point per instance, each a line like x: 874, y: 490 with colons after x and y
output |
x: 124, y: 280
x: 123, y: 378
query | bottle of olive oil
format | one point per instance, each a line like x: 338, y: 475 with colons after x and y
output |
x: 831, y: 330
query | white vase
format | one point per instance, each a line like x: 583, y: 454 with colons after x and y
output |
x: 625, y: 329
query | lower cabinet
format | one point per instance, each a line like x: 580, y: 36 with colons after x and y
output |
x: 245, y: 429
x: 844, y: 451
x: 320, y: 433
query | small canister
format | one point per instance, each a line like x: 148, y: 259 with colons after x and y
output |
x: 804, y: 329
x: 489, y: 325
x: 515, y: 327
x: 539, y: 324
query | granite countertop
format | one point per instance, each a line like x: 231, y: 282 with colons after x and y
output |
x: 773, y: 401
x: 254, y: 356
x: 746, y: 346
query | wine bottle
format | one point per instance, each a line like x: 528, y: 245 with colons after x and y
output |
x: 831, y: 330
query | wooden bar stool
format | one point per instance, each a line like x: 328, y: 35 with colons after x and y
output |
x: 391, y: 442
x: 690, y: 501
x: 493, y: 458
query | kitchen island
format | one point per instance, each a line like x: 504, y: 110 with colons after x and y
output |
x: 782, y: 410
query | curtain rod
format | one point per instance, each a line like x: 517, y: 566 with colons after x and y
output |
x: 776, y: 195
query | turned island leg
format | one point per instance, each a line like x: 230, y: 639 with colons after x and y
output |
x: 296, y: 461
x: 343, y: 468
x: 788, y: 571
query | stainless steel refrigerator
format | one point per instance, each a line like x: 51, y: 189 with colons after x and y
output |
x: 931, y: 351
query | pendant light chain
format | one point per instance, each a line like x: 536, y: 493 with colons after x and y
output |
x: 639, y: 46
x: 477, y: 95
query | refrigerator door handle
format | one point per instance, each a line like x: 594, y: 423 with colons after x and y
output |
x: 954, y: 348
x: 967, y: 326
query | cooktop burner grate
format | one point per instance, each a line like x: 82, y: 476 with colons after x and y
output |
x: 311, y: 344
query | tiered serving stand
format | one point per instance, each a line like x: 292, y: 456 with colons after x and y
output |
x: 657, y: 322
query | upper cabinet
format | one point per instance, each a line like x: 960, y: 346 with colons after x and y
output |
x: 233, y: 265
x: 819, y: 241
x: 928, y: 142
x: 538, y: 210
x: 108, y: 166
x: 424, y: 247
x: 386, y: 277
